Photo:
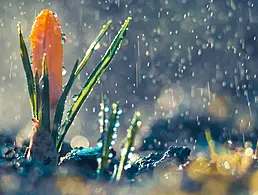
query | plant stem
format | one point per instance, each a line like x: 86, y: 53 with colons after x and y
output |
x: 42, y: 147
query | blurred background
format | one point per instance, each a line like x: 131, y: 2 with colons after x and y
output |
x: 181, y: 60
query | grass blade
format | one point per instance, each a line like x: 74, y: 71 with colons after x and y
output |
x: 91, y: 49
x: 108, y: 138
x: 45, y: 119
x: 37, y: 92
x: 211, y: 145
x: 91, y: 82
x: 28, y: 71
x: 61, y: 103
x: 129, y: 142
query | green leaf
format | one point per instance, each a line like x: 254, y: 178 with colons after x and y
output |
x: 37, y: 92
x: 61, y: 103
x: 28, y: 71
x: 45, y: 108
x: 129, y: 142
x: 91, y: 82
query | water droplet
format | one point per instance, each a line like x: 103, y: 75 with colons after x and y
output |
x: 119, y: 112
x: 117, y: 124
x: 99, y: 160
x: 99, y: 144
x: 106, y: 109
x: 106, y: 121
x: 75, y: 97
x: 114, y: 136
x: 101, y: 122
x: 97, y: 46
x: 55, y: 14
x: 110, y: 155
x: 64, y: 38
x: 64, y: 71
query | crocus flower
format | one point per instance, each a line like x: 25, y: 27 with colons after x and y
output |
x: 46, y: 37
x: 46, y: 40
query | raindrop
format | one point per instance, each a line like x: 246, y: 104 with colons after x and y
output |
x: 64, y: 38
x: 54, y: 14
x: 199, y: 52
x: 97, y: 46
x: 114, y: 136
x: 119, y: 112
x: 64, y: 71
x: 75, y: 97
x: 110, y: 155
x: 99, y: 144
x: 117, y: 124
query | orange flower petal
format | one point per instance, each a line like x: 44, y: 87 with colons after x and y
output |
x: 46, y: 37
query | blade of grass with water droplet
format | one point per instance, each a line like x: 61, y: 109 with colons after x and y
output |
x: 129, y: 142
x: 103, y: 124
x: 91, y: 49
x: 91, y: 82
x: 45, y: 107
x: 28, y: 71
x: 107, y: 138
